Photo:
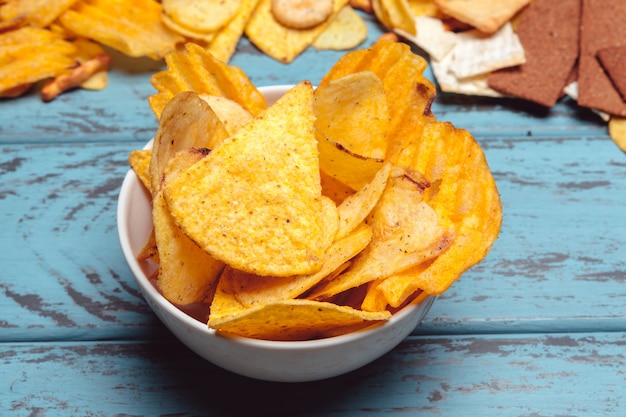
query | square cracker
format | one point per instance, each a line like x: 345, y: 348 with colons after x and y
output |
x: 549, y: 33
x: 602, y: 26
x: 485, y: 15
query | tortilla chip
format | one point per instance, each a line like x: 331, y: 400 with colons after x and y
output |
x: 255, y: 202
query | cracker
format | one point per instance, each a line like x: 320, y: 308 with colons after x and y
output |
x: 613, y: 60
x: 602, y: 26
x: 485, y: 15
x: 549, y: 32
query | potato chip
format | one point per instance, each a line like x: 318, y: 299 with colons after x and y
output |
x: 347, y: 30
x: 133, y: 28
x: 296, y: 320
x: 195, y: 69
x: 488, y: 16
x: 187, y: 122
x: 352, y: 111
x: 185, y: 31
x: 42, y: 54
x: 464, y: 196
x: 232, y: 115
x: 38, y: 13
x: 278, y: 41
x: 344, y: 166
x: 355, y: 208
x: 201, y: 16
x: 617, y: 131
x: 365, y: 5
x: 238, y: 290
x: 395, y: 14
x: 405, y: 232
x: 225, y: 42
x: 264, y: 216
x: 424, y: 8
x: 334, y: 189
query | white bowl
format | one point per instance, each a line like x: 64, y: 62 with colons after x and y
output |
x: 267, y: 360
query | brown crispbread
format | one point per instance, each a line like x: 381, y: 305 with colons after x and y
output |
x: 549, y: 33
x: 602, y: 26
x: 613, y: 60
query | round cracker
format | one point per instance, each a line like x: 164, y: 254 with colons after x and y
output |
x: 301, y: 14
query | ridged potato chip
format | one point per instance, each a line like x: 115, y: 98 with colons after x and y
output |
x: 346, y: 30
x: 133, y: 28
x: 196, y: 69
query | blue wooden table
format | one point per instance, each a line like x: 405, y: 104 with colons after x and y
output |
x: 537, y: 329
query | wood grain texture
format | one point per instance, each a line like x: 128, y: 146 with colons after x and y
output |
x: 505, y: 376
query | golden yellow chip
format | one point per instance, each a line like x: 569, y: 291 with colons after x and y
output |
x: 406, y: 233
x: 395, y: 14
x: 139, y: 161
x: 133, y: 28
x: 185, y: 31
x: 617, y: 131
x: 424, y: 8
x: 463, y: 194
x: 334, y: 189
x: 256, y: 201
x: 225, y: 41
x: 238, y: 290
x: 485, y: 15
x: 195, y: 69
x: 29, y: 55
x: 346, y: 30
x: 296, y: 320
x: 38, y: 13
x: 187, y: 274
x: 280, y: 42
x: 352, y: 111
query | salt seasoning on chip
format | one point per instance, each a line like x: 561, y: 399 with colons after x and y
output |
x: 548, y: 31
x: 602, y: 26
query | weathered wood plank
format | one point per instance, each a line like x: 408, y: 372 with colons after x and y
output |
x: 574, y: 375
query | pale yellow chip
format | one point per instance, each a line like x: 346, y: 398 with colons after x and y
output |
x: 617, y: 131
x: 232, y: 114
x: 406, y: 233
x: 201, y: 16
x: 187, y: 122
x: 185, y: 31
x: 424, y: 8
x: 352, y: 111
x: 355, y: 208
x: 296, y: 320
x: 133, y: 28
x: 255, y: 202
x: 278, y: 41
x: 196, y: 69
x: 346, y: 30
x: 485, y: 15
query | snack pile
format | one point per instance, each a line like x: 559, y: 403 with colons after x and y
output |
x: 319, y: 214
x: 539, y: 50
x: 62, y: 41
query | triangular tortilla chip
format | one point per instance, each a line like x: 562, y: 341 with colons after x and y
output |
x: 255, y: 202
